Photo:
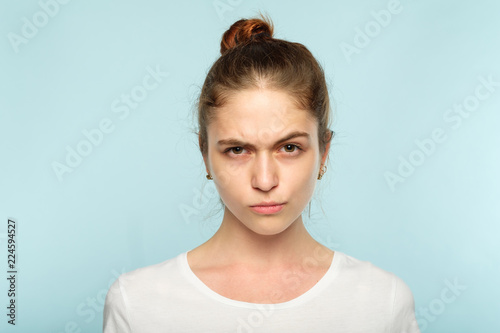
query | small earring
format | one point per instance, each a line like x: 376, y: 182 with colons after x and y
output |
x: 209, y: 177
x: 322, y: 171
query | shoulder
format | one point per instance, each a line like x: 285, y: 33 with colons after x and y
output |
x: 365, y: 271
x: 132, y: 295
x: 383, y: 289
x: 150, y: 279
x: 368, y: 277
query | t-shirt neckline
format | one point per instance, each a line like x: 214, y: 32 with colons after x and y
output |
x: 315, y: 290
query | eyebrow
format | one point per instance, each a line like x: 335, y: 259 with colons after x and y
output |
x: 236, y: 142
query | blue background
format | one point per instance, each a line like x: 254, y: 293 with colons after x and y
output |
x: 140, y: 195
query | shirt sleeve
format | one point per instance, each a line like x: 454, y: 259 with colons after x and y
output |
x: 115, y: 311
x: 404, y: 320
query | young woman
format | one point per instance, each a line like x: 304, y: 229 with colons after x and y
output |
x: 264, y: 136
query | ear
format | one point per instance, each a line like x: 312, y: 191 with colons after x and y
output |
x: 325, y: 154
x: 205, y: 157
x: 199, y: 140
x: 327, y: 149
x: 207, y: 168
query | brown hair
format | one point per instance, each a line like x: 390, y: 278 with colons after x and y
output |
x: 250, y: 58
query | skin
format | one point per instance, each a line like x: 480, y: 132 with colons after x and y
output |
x: 254, y: 257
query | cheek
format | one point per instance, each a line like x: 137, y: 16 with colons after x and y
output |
x: 304, y: 184
x: 232, y: 196
x: 302, y: 180
x: 229, y: 183
x: 225, y: 170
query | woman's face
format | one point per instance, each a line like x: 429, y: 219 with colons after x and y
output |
x: 263, y: 149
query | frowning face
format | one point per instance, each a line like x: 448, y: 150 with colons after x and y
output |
x: 264, y: 157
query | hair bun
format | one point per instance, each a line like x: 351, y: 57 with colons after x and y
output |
x: 245, y: 31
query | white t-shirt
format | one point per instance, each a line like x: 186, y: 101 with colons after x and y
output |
x: 353, y: 296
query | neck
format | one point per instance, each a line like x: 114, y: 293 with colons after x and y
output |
x: 234, y: 243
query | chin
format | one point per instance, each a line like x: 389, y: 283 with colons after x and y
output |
x: 267, y: 232
x: 268, y: 226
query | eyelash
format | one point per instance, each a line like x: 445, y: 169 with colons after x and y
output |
x: 228, y: 150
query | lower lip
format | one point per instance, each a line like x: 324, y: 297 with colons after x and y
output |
x: 267, y: 209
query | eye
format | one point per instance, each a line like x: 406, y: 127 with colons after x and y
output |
x: 235, y: 150
x: 291, y: 148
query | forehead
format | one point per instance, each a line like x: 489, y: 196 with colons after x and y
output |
x: 259, y: 115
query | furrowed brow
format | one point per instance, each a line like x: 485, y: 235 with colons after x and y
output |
x: 239, y: 143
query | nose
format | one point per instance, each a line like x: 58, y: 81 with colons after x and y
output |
x: 264, y: 172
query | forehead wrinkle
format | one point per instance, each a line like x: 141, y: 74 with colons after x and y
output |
x: 246, y: 122
x: 283, y: 138
x: 241, y: 134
